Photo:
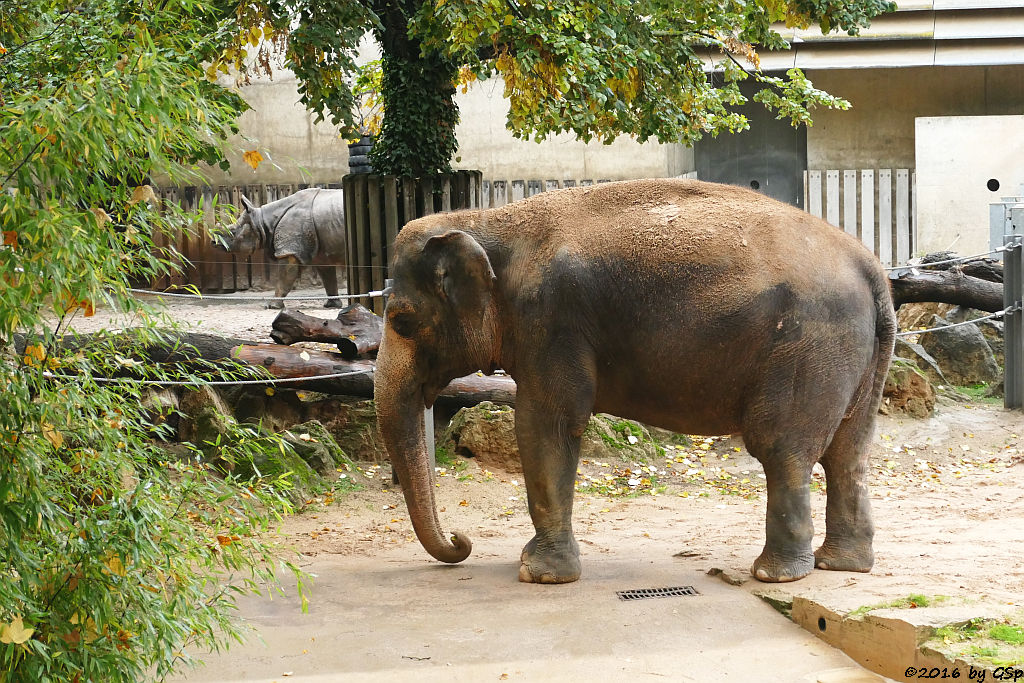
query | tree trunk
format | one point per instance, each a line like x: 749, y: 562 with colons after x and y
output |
x: 356, y: 330
x: 946, y: 286
x: 287, y: 362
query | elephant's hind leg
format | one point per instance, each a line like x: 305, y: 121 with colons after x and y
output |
x: 548, y: 431
x: 848, y: 527
x: 787, y: 553
x: 787, y: 433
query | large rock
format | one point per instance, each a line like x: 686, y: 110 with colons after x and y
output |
x: 962, y: 353
x: 351, y: 421
x: 607, y: 437
x: 206, y: 421
x: 907, y: 391
x: 916, y: 354
x: 486, y: 433
x: 314, y: 444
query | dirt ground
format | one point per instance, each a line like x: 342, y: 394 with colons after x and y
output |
x: 947, y: 496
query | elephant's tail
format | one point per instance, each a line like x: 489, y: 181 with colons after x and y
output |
x: 873, y: 383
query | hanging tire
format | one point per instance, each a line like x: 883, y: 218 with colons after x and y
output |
x: 358, y: 160
x: 360, y: 168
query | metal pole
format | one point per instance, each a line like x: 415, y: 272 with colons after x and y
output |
x: 1013, y: 323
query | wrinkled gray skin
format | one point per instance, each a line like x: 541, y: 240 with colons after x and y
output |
x: 700, y: 308
x: 305, y: 228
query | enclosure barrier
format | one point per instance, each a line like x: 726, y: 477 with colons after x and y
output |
x: 1013, y: 325
x: 878, y: 206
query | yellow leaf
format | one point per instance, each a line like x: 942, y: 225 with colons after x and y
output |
x: 15, y: 632
x: 142, y: 193
x: 269, y: 391
x: 253, y: 158
x: 101, y: 216
x: 115, y: 565
x: 463, y: 503
x: 51, y: 434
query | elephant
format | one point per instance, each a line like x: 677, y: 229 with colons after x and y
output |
x: 701, y: 308
x: 306, y: 227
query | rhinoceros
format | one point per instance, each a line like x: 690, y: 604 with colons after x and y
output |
x: 304, y: 228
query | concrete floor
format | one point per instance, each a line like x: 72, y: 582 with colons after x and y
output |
x: 399, y: 616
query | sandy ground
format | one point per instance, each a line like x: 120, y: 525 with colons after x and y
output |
x: 948, y: 500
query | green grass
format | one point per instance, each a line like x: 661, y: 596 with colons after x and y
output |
x: 910, y: 602
x: 1008, y: 633
x: 979, y: 393
x: 1000, y: 643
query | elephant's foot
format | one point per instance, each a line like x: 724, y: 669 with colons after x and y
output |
x: 550, y: 563
x: 334, y: 303
x: 275, y: 304
x: 775, y: 568
x: 844, y: 557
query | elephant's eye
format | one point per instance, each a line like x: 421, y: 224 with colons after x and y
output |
x: 403, y: 320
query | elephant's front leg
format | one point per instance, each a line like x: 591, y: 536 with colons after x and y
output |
x: 286, y: 277
x: 549, y: 447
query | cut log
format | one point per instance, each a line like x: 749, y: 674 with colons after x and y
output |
x: 946, y: 286
x: 355, y: 331
x: 285, y: 362
x: 157, y: 346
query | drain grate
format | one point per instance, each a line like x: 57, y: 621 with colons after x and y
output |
x: 644, y: 593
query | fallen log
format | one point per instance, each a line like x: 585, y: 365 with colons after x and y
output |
x: 945, y: 286
x: 285, y: 362
x: 355, y: 331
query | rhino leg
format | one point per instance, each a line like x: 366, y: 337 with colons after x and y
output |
x: 286, y: 277
x: 329, y: 276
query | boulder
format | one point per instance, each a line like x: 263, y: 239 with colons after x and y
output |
x: 351, y: 421
x: 991, y: 329
x: 962, y: 353
x: 907, y: 391
x: 273, y: 460
x: 205, y: 420
x: 916, y: 354
x: 314, y: 444
x: 486, y: 433
x: 608, y: 437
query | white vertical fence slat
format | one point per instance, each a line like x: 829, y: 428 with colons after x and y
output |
x: 832, y: 194
x: 885, y: 216
x: 867, y: 209
x: 850, y: 202
x: 814, y: 193
x: 903, y: 234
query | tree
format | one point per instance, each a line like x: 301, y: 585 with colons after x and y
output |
x: 117, y: 559
x: 594, y: 69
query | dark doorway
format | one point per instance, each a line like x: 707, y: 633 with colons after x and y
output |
x: 771, y: 157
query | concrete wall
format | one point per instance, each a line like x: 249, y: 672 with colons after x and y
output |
x: 956, y: 158
x: 300, y: 152
x: 280, y: 128
x: 485, y: 144
x: 878, y: 132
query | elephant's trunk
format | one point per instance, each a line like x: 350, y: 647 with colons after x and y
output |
x: 399, y: 401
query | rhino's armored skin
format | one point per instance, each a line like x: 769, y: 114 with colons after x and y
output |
x: 302, y: 229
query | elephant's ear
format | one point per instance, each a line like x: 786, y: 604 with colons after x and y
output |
x: 247, y: 204
x: 463, y: 272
